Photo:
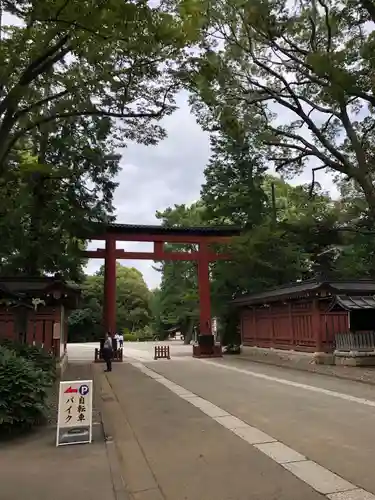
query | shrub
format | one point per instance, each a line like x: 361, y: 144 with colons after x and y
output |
x: 41, y: 359
x: 130, y: 337
x: 23, y: 392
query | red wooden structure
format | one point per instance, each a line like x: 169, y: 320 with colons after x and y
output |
x: 304, y: 316
x: 202, y: 237
x: 35, y: 311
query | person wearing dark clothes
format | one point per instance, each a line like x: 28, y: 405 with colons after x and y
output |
x: 108, y: 351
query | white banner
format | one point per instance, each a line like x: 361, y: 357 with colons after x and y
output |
x: 74, y: 417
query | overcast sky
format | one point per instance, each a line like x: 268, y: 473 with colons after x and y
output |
x: 156, y: 177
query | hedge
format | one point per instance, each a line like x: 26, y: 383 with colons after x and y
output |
x: 23, y: 391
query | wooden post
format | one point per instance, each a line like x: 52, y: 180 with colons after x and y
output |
x: 316, y: 326
x: 290, y: 316
x: 254, y: 323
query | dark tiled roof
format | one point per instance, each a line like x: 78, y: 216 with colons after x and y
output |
x: 20, y: 285
x: 149, y: 230
x: 351, y: 303
x: 355, y: 286
x: 363, y: 287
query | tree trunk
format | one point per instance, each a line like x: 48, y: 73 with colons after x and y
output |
x: 189, y: 332
x: 366, y: 183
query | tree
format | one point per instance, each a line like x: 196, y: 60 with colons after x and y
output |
x: 63, y: 60
x: 285, y: 244
x: 232, y: 190
x: 132, y: 299
x: 157, y: 327
x: 76, y: 83
x: 178, y: 296
x: 300, y: 76
x: 50, y: 206
x: 356, y: 257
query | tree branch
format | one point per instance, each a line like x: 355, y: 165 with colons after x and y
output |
x: 63, y: 116
x: 357, y: 147
x: 297, y: 108
x: 328, y: 25
x: 315, y: 151
x: 34, y: 69
x: 41, y: 102
x: 312, y: 185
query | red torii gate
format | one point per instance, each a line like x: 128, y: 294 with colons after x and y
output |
x: 159, y: 235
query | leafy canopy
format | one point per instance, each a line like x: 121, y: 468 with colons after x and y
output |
x: 63, y: 59
x: 52, y: 209
x: 132, y: 304
x: 77, y: 80
x: 300, y: 76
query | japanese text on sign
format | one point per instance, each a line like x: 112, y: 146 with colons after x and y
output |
x: 75, y: 412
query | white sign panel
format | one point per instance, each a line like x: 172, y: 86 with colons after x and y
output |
x: 56, y: 331
x: 74, y: 418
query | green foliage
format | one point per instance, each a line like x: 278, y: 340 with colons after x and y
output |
x: 41, y: 359
x: 114, y: 61
x: 77, y: 84
x: 77, y: 157
x: 23, y: 392
x: 232, y: 192
x: 300, y: 79
x: 176, y: 302
x: 130, y: 337
x: 296, y: 238
x: 132, y: 299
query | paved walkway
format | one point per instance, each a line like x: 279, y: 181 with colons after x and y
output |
x: 171, y: 450
x: 327, y: 420
x: 189, y: 429
x: 33, y: 468
x: 194, y: 429
x: 144, y: 351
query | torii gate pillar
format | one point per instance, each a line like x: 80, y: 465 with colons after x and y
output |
x: 204, y: 291
x: 110, y: 286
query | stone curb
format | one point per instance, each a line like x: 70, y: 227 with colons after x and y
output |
x: 104, y: 389
x: 307, y: 369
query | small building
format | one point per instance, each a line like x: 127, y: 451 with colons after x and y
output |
x: 310, y: 316
x: 35, y: 311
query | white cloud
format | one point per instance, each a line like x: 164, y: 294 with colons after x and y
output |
x: 156, y: 177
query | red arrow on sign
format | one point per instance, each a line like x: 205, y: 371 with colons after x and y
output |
x: 70, y: 390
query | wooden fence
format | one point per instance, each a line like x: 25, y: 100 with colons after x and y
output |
x: 162, y: 352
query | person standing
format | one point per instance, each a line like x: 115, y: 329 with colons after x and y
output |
x: 108, y: 351
x: 120, y: 340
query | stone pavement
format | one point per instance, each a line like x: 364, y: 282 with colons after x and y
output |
x: 327, y: 420
x: 289, y: 360
x: 170, y: 450
x: 33, y: 468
